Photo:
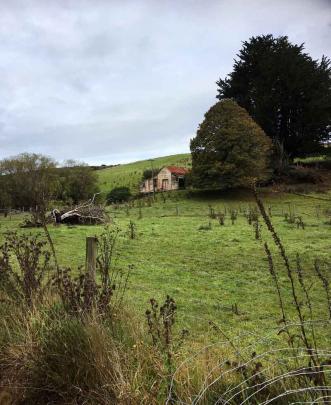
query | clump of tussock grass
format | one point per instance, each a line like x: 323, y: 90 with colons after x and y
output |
x: 59, y: 359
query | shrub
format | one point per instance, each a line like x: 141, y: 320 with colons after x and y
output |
x: 83, y: 294
x: 149, y: 173
x: 300, y: 174
x: 325, y: 164
x: 27, y: 281
x: 119, y: 195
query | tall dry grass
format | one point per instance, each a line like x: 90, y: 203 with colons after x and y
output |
x: 49, y: 356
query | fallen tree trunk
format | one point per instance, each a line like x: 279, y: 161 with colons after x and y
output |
x: 87, y: 214
x: 75, y: 218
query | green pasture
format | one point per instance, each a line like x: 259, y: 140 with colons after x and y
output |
x: 207, y: 271
x: 129, y: 175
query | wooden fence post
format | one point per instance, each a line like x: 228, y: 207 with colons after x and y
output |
x: 91, y: 256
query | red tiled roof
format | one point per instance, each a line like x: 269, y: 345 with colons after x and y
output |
x: 177, y: 170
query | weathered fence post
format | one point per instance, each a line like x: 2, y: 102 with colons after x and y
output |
x: 90, y: 288
x: 91, y: 256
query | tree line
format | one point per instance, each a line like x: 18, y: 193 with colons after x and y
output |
x: 29, y: 180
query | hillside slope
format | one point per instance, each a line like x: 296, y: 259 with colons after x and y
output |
x: 129, y: 175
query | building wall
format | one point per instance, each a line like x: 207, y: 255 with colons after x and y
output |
x: 147, y: 186
x: 165, y: 181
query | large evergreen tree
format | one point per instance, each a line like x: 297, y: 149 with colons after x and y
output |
x: 286, y: 92
x: 230, y: 149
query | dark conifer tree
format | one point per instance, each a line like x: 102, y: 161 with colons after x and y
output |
x: 286, y: 92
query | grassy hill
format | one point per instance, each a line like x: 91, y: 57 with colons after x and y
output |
x: 129, y: 175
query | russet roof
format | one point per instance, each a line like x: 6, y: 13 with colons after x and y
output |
x: 177, y: 170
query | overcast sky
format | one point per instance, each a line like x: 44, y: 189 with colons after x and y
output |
x: 118, y: 81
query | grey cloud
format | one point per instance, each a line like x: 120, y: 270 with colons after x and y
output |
x: 109, y: 81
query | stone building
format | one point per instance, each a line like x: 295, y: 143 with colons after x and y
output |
x: 168, y: 178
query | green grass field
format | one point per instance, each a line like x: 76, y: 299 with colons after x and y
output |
x: 129, y: 175
x: 207, y: 271
x: 218, y: 276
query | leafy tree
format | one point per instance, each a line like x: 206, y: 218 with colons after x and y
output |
x: 230, y: 149
x: 148, y: 173
x: 32, y: 180
x: 78, y: 181
x: 286, y: 92
x: 119, y: 194
x: 5, y: 198
x: 28, y: 180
